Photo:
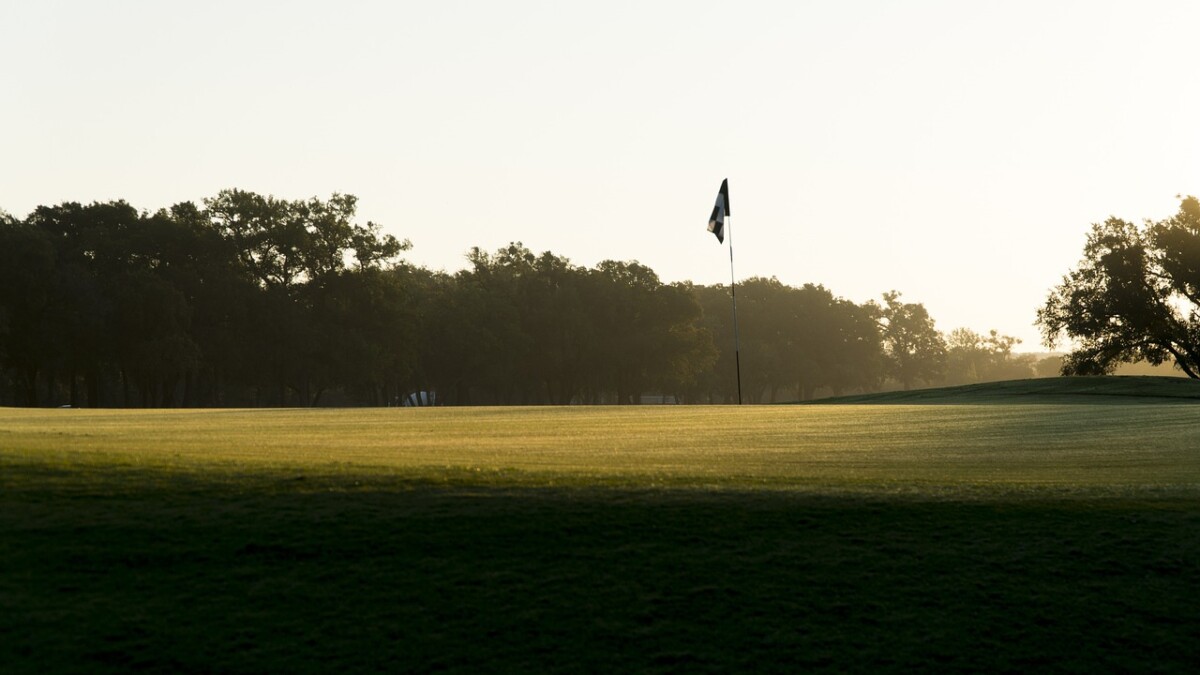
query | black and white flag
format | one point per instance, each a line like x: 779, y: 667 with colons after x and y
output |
x: 716, y: 224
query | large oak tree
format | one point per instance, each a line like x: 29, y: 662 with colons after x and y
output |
x: 1135, y: 296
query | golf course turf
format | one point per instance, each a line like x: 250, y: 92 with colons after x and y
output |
x: 1060, y: 532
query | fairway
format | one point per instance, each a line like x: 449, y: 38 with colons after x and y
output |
x: 862, y: 447
x: 868, y: 538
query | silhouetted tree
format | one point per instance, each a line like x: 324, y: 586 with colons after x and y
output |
x: 795, y: 341
x: 28, y: 306
x: 204, y: 266
x: 644, y: 333
x: 854, y: 360
x: 254, y: 300
x: 831, y: 343
x: 718, y: 384
x: 296, y: 251
x: 1135, y: 296
x: 95, y: 245
x: 768, y: 318
x: 915, y: 349
x: 690, y: 351
x: 473, y: 344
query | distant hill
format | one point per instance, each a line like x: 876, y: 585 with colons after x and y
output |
x: 1111, y: 389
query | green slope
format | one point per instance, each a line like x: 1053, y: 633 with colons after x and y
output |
x: 1112, y: 389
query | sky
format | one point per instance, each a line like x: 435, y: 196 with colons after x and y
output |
x: 954, y: 151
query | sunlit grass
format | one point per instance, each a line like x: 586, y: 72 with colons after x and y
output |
x: 867, y: 538
x: 1117, y: 446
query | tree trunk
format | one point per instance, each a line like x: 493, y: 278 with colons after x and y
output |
x: 30, y: 386
x: 74, y: 398
x: 188, y: 393
x: 169, y: 384
x: 92, y: 380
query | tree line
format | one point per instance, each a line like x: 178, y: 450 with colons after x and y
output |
x: 252, y: 300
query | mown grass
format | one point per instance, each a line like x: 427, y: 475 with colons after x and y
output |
x: 827, y: 447
x: 865, y: 538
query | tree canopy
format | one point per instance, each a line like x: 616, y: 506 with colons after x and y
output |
x: 915, y: 350
x: 252, y: 300
x: 1134, y: 296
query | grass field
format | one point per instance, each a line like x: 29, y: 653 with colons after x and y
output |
x: 1050, y: 534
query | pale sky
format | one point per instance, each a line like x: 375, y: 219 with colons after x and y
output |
x: 954, y: 151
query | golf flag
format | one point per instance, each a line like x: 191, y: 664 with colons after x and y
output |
x: 716, y: 224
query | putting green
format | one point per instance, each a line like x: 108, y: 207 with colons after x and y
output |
x: 861, y: 446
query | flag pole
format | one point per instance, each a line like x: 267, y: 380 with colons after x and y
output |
x: 716, y: 225
x: 737, y: 355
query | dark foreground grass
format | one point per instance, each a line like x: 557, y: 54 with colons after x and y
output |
x: 142, y: 569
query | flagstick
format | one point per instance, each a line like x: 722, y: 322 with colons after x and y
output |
x: 737, y: 356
